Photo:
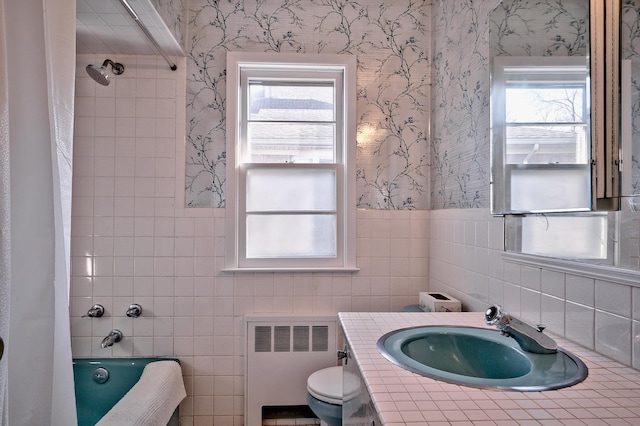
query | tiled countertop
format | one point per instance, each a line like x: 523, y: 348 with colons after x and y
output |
x: 609, y: 395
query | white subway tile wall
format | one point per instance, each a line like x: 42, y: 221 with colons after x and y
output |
x: 133, y: 241
x: 601, y: 315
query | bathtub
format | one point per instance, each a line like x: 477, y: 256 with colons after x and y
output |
x: 95, y: 396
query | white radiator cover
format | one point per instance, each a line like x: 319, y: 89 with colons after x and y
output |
x: 281, y: 352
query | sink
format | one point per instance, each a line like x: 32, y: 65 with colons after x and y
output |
x: 479, y: 357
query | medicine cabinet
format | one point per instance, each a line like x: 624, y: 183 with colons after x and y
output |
x: 553, y: 149
x: 565, y: 127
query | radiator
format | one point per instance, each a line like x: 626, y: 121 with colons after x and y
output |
x: 281, y: 352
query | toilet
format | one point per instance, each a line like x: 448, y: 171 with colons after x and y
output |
x: 324, y: 395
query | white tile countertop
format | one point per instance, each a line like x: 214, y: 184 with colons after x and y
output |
x: 609, y: 395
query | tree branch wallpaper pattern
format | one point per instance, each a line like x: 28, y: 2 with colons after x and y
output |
x: 173, y: 14
x: 540, y: 28
x: 391, y: 40
x: 460, y: 135
x: 460, y: 105
x: 403, y: 162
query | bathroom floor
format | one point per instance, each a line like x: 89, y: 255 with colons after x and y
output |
x: 289, y: 416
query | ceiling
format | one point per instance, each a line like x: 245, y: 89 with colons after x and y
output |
x: 105, y: 26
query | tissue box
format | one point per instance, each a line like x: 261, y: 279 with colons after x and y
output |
x: 438, y: 302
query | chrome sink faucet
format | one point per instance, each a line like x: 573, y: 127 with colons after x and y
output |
x: 530, y: 339
x: 114, y: 337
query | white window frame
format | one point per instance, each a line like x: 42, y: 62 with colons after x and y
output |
x: 235, y: 213
x: 535, y: 71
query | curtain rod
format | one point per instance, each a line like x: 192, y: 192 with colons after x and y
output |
x: 146, y: 32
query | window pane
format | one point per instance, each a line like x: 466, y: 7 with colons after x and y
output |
x: 547, y: 144
x: 573, y: 237
x: 293, y: 189
x: 291, y: 102
x: 291, y: 143
x: 550, y: 189
x: 291, y: 236
x: 545, y: 104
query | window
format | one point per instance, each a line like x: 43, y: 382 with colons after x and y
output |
x: 290, y: 162
x: 540, y: 135
x: 541, y: 159
x: 589, y: 236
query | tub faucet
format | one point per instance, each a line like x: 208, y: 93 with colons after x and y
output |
x: 114, y: 337
x: 530, y: 339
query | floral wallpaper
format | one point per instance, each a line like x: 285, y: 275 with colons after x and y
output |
x: 460, y: 104
x: 173, y: 14
x: 460, y: 162
x: 540, y: 28
x: 391, y: 40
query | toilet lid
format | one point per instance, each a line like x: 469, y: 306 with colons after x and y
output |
x: 326, y: 385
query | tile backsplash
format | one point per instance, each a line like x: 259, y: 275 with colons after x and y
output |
x: 466, y: 261
x: 134, y: 241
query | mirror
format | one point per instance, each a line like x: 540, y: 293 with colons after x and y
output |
x: 609, y: 237
x: 630, y: 99
x: 540, y: 107
x: 628, y: 217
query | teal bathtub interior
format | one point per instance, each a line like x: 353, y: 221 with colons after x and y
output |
x: 97, y: 391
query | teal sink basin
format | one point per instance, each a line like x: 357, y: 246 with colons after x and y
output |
x: 479, y: 357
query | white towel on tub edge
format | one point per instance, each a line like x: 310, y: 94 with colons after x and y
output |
x: 152, y: 400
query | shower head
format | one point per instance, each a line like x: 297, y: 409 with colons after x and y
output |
x: 101, y: 74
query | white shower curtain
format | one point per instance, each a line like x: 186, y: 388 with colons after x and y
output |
x: 37, y: 72
x: 5, y: 243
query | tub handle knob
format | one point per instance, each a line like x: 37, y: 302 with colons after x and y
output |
x: 96, y: 311
x: 134, y: 311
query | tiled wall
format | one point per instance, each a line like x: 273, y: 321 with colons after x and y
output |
x: 466, y: 261
x: 134, y: 241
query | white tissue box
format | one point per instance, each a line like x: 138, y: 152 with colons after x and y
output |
x: 438, y: 302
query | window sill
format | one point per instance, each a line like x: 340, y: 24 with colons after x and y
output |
x: 328, y: 269
x: 598, y: 272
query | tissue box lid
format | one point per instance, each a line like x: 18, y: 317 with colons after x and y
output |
x: 439, y: 302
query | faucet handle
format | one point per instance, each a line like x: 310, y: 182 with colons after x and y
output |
x: 96, y: 311
x: 540, y: 327
x: 134, y: 310
x: 493, y: 314
x: 343, y: 354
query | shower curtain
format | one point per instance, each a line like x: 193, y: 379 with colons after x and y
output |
x: 4, y: 222
x: 37, y: 71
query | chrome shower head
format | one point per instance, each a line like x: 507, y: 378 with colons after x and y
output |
x: 101, y: 74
